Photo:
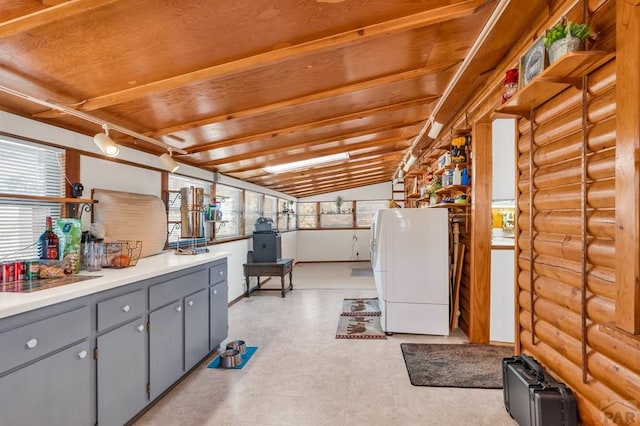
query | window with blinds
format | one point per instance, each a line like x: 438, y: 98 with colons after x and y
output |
x: 231, y: 207
x: 176, y: 182
x: 252, y: 210
x: 27, y: 169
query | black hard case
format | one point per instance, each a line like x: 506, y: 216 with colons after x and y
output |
x: 533, y: 398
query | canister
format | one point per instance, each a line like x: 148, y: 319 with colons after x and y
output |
x: 18, y: 270
x: 32, y: 267
x: 7, y: 272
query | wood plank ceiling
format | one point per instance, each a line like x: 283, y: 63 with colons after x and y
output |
x: 239, y: 85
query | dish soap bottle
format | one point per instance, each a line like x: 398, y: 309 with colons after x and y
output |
x: 457, y: 176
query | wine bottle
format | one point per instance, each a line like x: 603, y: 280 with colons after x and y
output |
x: 49, y: 242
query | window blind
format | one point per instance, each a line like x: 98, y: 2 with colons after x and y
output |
x: 27, y: 168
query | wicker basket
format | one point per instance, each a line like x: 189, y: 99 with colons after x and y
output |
x: 563, y: 46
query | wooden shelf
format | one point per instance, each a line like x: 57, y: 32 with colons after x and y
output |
x: 414, y: 195
x: 452, y: 188
x: 449, y: 166
x: 566, y: 71
x: 449, y: 205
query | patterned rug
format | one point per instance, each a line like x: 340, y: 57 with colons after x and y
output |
x: 455, y: 366
x: 360, y: 307
x: 360, y: 327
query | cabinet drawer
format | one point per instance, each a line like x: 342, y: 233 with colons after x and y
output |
x: 120, y: 309
x: 32, y: 341
x: 217, y: 273
x: 177, y: 288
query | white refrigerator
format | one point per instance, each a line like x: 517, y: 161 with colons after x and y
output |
x: 410, y: 260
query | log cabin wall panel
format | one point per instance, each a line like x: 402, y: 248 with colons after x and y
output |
x: 557, y: 333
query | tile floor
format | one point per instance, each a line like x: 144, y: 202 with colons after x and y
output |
x: 301, y: 375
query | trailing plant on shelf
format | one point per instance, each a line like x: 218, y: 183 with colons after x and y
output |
x: 565, y: 36
x: 433, y: 185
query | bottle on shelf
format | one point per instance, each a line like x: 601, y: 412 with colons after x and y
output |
x: 457, y: 176
x: 48, y: 244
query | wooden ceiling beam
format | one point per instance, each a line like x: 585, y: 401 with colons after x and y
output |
x: 391, y: 156
x: 283, y: 159
x: 345, y: 179
x: 321, y: 152
x: 313, y: 97
x: 338, y: 188
x: 393, y: 26
x: 308, y: 126
x: 271, y: 179
x: 254, y: 154
x: 344, y: 167
x: 345, y: 173
x: 333, y: 186
x: 46, y: 16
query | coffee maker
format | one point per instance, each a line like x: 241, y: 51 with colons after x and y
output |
x: 266, y: 242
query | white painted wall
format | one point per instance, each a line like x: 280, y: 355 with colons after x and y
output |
x: 324, y: 245
x: 501, y: 317
x: 339, y: 244
x: 504, y: 160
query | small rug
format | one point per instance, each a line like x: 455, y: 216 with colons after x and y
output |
x: 361, y: 327
x: 455, y: 366
x: 360, y: 307
x: 245, y: 358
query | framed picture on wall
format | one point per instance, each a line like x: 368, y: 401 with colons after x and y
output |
x: 533, y: 62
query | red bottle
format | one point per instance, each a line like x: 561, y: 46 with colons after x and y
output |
x: 49, y: 242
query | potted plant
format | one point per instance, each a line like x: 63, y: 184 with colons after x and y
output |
x: 338, y: 203
x: 564, y: 37
x: 434, y: 184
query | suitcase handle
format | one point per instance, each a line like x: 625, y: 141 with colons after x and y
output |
x: 533, y: 365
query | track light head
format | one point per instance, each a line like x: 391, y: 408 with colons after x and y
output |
x: 106, y: 144
x: 435, y: 129
x: 168, y: 162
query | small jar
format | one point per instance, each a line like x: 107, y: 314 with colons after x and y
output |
x: 510, y: 84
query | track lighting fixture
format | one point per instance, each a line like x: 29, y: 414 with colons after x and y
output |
x: 105, y: 143
x: 168, y: 162
x: 435, y: 129
x: 400, y: 174
x: 407, y: 165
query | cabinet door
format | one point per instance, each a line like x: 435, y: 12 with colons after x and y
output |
x: 166, y: 347
x: 121, y: 373
x: 196, y: 328
x: 54, y: 391
x: 218, y: 314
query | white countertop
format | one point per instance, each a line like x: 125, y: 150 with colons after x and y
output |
x: 107, y: 278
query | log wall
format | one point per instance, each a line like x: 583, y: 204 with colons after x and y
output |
x: 566, y: 245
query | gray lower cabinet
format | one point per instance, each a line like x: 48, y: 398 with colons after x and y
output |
x: 55, y: 390
x: 146, y: 335
x: 196, y: 328
x: 165, y: 347
x: 121, y: 374
x: 218, y: 314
